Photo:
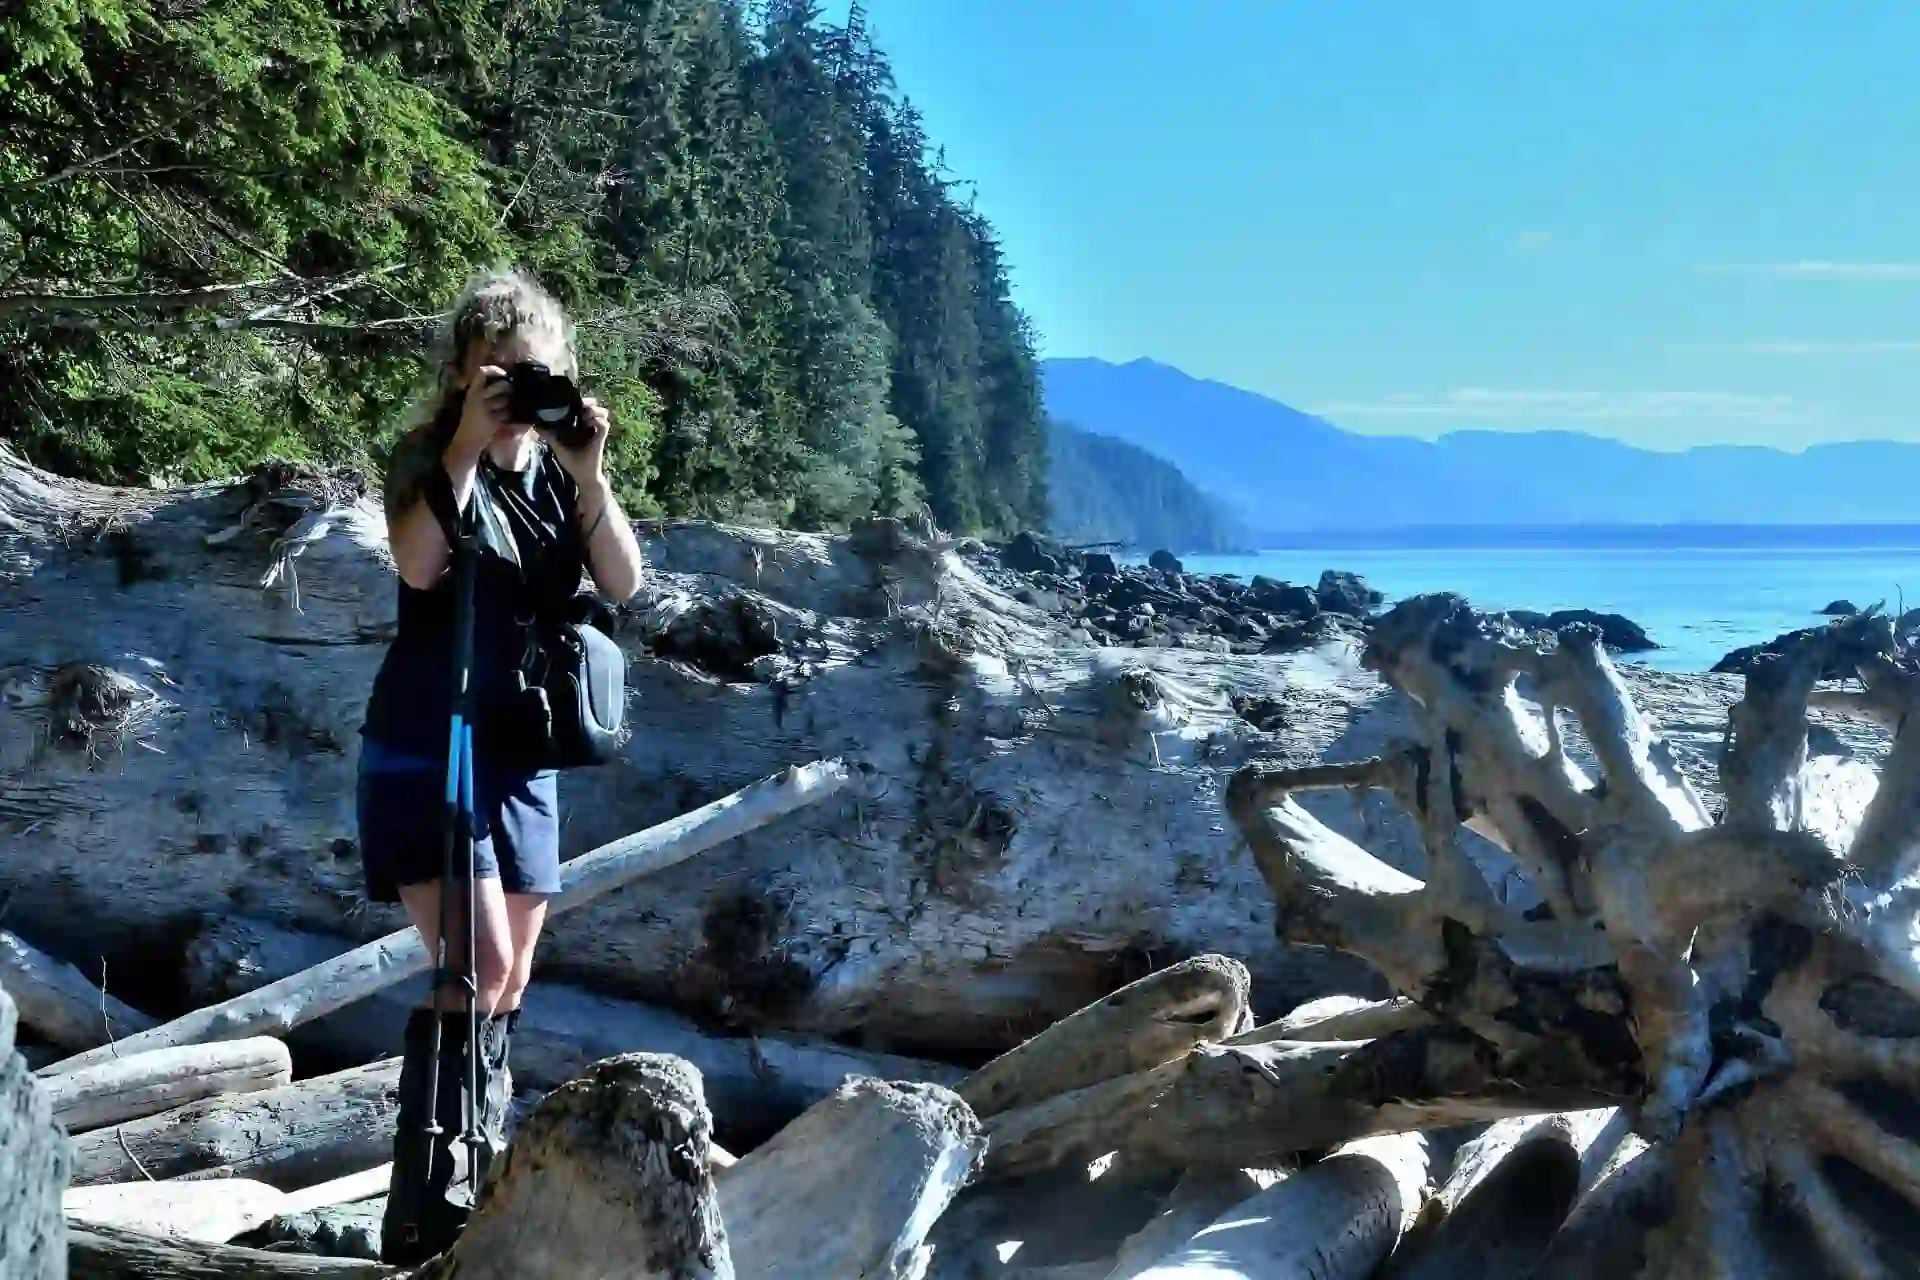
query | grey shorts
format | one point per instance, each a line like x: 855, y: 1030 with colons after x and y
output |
x: 401, y: 802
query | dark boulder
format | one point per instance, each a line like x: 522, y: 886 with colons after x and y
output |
x: 1348, y: 593
x: 1841, y: 609
x: 1165, y: 562
x: 1098, y: 564
x: 1032, y: 553
x: 1750, y: 658
x: 1619, y: 633
x: 1283, y: 598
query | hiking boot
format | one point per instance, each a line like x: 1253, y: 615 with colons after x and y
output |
x: 427, y: 1202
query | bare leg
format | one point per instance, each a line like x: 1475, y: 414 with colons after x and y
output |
x: 493, y: 965
x: 526, y: 915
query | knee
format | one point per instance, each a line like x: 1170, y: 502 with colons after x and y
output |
x: 493, y: 971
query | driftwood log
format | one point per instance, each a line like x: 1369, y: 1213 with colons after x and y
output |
x: 609, y: 1175
x: 752, y: 1085
x: 290, y: 1137
x: 58, y: 1002
x: 1050, y: 825
x: 852, y: 1187
x: 280, y: 1006
x: 115, y: 1253
x: 145, y: 1084
x: 1739, y: 979
x: 34, y: 1166
x: 209, y: 1212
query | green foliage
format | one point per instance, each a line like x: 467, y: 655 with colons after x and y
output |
x: 1107, y: 490
x: 226, y: 227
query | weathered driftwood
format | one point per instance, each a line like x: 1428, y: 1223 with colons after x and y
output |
x: 210, y: 1212
x: 290, y: 1137
x: 1337, y: 1220
x: 1607, y: 1235
x: 336, y: 1231
x: 283, y: 1005
x: 34, y: 1164
x: 1051, y: 825
x: 1154, y: 1020
x: 852, y: 1187
x: 753, y: 1085
x: 58, y: 1002
x: 1018, y: 1228
x: 145, y: 1084
x: 115, y: 1253
x: 364, y: 1185
x: 1341, y: 1018
x: 1252, y: 1106
x: 1741, y: 982
x: 1196, y: 1200
x: 1508, y: 1193
x: 609, y: 1175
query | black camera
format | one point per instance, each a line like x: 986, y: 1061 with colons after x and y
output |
x: 549, y: 401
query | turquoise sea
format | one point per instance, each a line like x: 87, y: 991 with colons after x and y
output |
x: 1696, y: 602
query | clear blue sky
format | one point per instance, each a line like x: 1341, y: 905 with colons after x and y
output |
x: 1672, y: 223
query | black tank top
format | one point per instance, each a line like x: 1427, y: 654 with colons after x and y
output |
x: 530, y: 565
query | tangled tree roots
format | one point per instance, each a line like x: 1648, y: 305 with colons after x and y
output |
x: 1742, y: 985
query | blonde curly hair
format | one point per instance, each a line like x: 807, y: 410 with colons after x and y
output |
x: 495, y: 304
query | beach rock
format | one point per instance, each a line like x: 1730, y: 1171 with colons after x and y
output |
x: 1619, y: 633
x: 1348, y: 593
x: 1098, y: 564
x: 1034, y: 553
x: 1284, y: 598
x: 1841, y: 609
x: 1747, y: 658
x: 1165, y: 562
x: 337, y: 1231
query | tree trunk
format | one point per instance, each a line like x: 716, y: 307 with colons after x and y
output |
x: 609, y: 1175
x: 58, y: 1002
x: 1198, y: 1198
x: 146, y: 1084
x: 1338, y: 1220
x: 290, y: 1137
x: 1154, y: 1020
x: 113, y: 1253
x: 851, y: 1188
x: 35, y: 1159
x: 207, y: 1212
x: 1050, y: 816
x: 333, y: 984
x: 752, y: 1085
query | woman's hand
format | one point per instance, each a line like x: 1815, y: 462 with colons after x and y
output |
x: 483, y: 416
x: 587, y: 464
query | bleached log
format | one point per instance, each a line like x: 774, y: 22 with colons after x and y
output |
x: 1341, y: 1018
x: 1508, y: 1192
x: 209, y: 1212
x: 1200, y: 1197
x: 1338, y: 1220
x: 115, y: 1253
x: 1154, y: 1020
x: 851, y: 1187
x: 280, y: 1006
x: 1231, y: 1106
x: 58, y: 1002
x: 145, y: 1084
x: 290, y: 1137
x: 609, y: 1175
x: 364, y: 1185
x: 752, y: 1085
x: 34, y: 1162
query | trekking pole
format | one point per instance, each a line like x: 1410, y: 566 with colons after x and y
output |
x: 457, y: 851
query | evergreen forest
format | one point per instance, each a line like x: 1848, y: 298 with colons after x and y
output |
x: 227, y: 228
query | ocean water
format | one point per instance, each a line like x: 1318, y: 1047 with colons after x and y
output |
x: 1697, y: 603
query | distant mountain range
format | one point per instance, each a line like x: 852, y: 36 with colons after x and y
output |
x: 1279, y: 471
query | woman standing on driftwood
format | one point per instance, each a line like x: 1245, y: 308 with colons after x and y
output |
x: 542, y: 513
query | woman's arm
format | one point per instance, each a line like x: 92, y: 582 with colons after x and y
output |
x: 613, y: 553
x: 419, y: 544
